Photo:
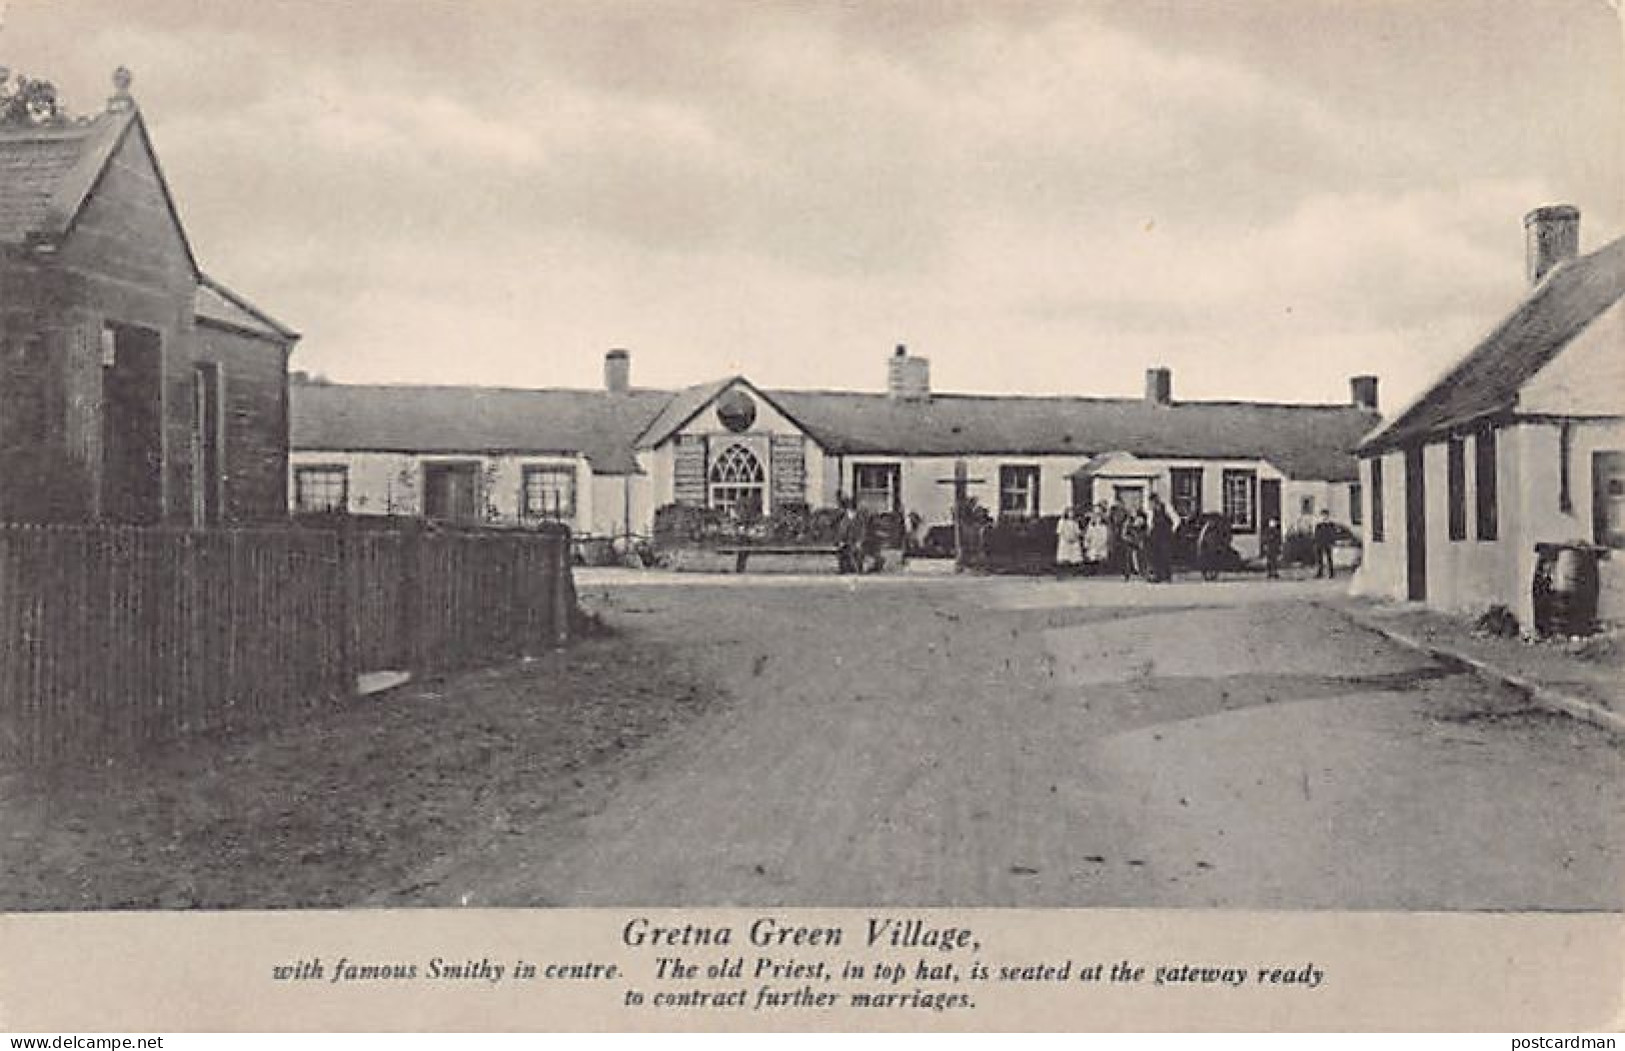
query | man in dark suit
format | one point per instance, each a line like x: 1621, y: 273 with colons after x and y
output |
x: 1325, y: 540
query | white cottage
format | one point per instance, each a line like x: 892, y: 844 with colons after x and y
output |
x: 1521, y: 443
x: 728, y: 444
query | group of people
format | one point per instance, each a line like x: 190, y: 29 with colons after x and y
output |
x: 1135, y: 542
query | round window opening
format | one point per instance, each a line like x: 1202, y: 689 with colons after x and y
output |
x: 736, y: 410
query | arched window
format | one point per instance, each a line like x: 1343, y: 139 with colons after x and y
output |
x: 737, y: 482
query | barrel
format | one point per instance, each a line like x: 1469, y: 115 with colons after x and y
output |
x: 1565, y: 589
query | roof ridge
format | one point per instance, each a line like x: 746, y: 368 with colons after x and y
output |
x: 1095, y: 399
x: 412, y: 385
x: 206, y: 281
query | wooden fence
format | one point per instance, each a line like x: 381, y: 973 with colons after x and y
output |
x: 116, y: 638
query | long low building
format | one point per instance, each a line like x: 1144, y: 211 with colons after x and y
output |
x: 605, y: 460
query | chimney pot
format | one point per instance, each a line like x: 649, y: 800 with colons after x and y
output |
x: 1363, y: 391
x: 618, y: 371
x: 1159, y: 386
x: 1551, y: 236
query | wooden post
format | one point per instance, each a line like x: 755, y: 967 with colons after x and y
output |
x: 561, y: 594
x: 961, y: 481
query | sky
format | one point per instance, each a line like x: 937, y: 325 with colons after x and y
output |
x: 1266, y: 196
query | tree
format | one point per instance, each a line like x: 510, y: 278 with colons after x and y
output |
x: 30, y: 103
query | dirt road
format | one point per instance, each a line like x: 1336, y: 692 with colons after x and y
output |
x: 1090, y: 743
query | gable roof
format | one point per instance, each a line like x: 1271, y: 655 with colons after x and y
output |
x: 691, y: 401
x: 216, y: 304
x: 1487, y: 380
x: 683, y: 406
x: 599, y: 425
x: 1303, y: 441
x: 48, y: 174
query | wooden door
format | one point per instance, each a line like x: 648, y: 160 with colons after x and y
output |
x: 132, y: 425
x: 1269, y: 502
x: 450, y: 492
x: 1416, y: 526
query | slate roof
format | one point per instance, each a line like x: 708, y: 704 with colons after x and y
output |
x: 1486, y: 382
x: 47, y: 174
x: 601, y: 426
x: 219, y: 305
x: 1304, y: 441
x: 32, y: 165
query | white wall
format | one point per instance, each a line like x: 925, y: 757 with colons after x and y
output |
x: 392, y: 483
x: 1588, y: 377
x: 1468, y: 576
x: 659, y: 462
x: 1382, y: 563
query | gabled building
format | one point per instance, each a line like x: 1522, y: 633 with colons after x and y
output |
x: 605, y: 460
x: 1521, y: 442
x: 133, y: 388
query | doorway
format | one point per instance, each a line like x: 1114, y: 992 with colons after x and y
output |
x: 451, y: 492
x: 1132, y: 497
x: 208, y: 439
x: 132, y: 425
x: 1416, y: 531
x: 1269, y: 502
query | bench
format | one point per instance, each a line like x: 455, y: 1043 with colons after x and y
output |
x: 743, y: 552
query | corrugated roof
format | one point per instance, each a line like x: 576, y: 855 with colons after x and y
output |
x: 1304, y: 441
x: 601, y: 426
x: 1487, y: 380
x: 216, y: 303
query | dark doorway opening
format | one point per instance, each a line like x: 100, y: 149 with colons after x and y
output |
x: 1269, y: 502
x: 450, y: 492
x: 208, y: 440
x: 132, y: 425
x: 1416, y: 526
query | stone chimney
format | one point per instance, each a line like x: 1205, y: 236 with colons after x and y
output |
x: 1159, y: 386
x: 908, y: 378
x: 1363, y: 391
x: 1551, y: 236
x: 618, y: 371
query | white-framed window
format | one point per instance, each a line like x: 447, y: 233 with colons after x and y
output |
x: 736, y: 482
x: 548, y: 491
x: 876, y: 485
x: 1185, y: 485
x: 1241, y: 499
x: 321, y: 488
x: 1018, y: 491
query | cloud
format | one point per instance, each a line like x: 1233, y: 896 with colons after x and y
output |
x: 1038, y: 196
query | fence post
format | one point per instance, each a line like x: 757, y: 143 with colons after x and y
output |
x: 411, y: 599
x: 561, y: 594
